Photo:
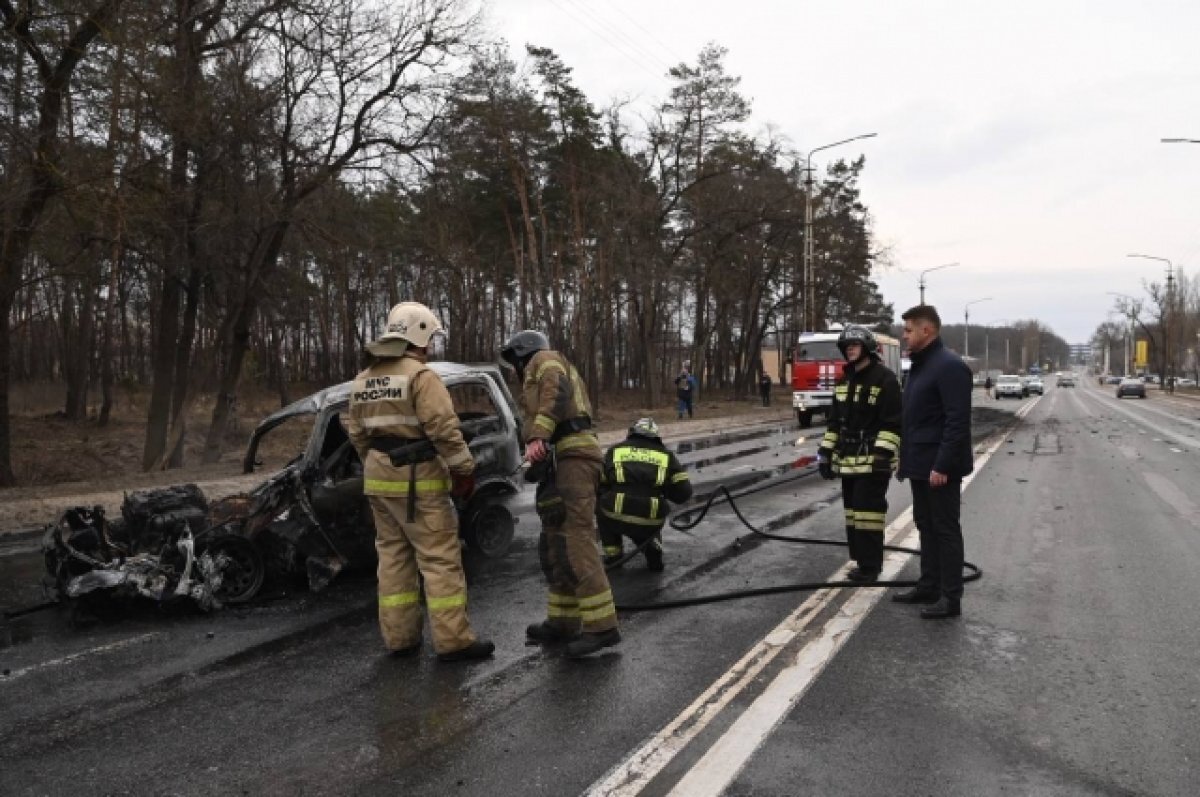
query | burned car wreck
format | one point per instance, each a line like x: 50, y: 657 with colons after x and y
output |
x: 308, y: 520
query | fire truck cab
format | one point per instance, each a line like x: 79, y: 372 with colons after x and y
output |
x: 817, y: 366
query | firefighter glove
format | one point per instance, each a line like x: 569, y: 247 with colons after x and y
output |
x: 537, y: 450
x: 462, y: 486
x: 825, y: 468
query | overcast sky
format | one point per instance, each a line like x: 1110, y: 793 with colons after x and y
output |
x: 1020, y: 139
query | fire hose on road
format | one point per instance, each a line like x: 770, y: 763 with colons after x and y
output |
x: 689, y: 519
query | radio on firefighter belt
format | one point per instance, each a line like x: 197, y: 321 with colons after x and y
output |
x: 402, y: 452
x: 548, y: 500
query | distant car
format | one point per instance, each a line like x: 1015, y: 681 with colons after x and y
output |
x: 1131, y: 386
x: 1112, y: 380
x: 1034, y: 384
x: 1065, y: 380
x: 1009, y: 386
x: 1185, y: 382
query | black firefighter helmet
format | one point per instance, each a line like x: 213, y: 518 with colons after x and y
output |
x: 523, y: 345
x: 856, y: 333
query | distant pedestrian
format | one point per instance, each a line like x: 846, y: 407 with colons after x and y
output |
x: 988, y: 384
x: 935, y: 455
x: 764, y: 388
x: 685, y: 391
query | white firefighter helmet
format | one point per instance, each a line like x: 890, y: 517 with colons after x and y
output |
x: 408, y: 323
x: 644, y: 427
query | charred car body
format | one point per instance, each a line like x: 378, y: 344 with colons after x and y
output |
x: 308, y: 518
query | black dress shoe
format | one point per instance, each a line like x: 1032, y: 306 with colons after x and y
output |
x: 548, y: 632
x: 587, y: 644
x: 915, y: 595
x: 479, y: 649
x: 941, y: 610
x: 863, y: 576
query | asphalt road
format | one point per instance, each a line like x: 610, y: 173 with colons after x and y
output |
x: 1072, y: 670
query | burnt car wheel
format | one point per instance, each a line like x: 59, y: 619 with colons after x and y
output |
x: 490, y: 531
x: 244, y: 575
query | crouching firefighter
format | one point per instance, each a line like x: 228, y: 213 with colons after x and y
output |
x: 565, y: 461
x: 640, y: 477
x: 403, y: 424
x: 861, y: 442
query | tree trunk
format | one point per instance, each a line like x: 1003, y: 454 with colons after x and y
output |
x: 238, y: 342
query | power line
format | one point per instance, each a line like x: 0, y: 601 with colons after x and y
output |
x: 616, y: 31
x: 632, y: 56
x: 653, y: 38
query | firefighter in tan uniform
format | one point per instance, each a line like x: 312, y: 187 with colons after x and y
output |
x: 402, y: 422
x: 561, y: 446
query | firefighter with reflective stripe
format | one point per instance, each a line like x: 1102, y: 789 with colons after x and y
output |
x: 565, y: 460
x: 397, y: 406
x: 639, y: 479
x: 861, y: 443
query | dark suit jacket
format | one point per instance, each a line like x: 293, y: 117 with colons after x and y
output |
x: 936, y: 433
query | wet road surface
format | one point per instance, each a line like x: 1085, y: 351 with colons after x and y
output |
x: 795, y: 693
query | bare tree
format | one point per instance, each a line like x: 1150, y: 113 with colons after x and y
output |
x: 33, y: 172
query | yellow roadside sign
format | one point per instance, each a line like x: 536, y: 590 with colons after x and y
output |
x: 1141, y: 357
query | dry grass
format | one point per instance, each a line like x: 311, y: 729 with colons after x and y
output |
x: 52, y: 452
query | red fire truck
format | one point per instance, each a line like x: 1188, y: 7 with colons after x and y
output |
x: 818, y: 364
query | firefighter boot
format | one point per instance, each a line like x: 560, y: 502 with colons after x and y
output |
x: 589, y: 643
x: 863, y: 576
x: 479, y: 649
x: 545, y: 632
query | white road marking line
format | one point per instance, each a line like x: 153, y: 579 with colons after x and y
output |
x: 637, y: 769
x: 1168, y: 434
x: 1177, y: 450
x: 15, y: 674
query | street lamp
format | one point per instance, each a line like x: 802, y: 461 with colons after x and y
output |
x: 967, y: 325
x: 810, y: 308
x: 921, y: 282
x: 987, y: 346
x: 1166, y: 319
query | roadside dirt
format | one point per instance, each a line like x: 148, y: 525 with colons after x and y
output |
x: 62, y: 464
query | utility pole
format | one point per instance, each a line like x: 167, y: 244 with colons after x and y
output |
x: 1166, y: 316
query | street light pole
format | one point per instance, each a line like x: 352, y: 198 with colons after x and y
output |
x: 967, y: 325
x: 921, y: 281
x: 1166, y: 316
x: 809, y: 311
x: 987, y: 346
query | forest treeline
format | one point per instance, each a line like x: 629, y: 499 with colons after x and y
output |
x: 197, y: 194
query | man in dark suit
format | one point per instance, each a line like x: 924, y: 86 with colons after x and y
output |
x: 935, y: 455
